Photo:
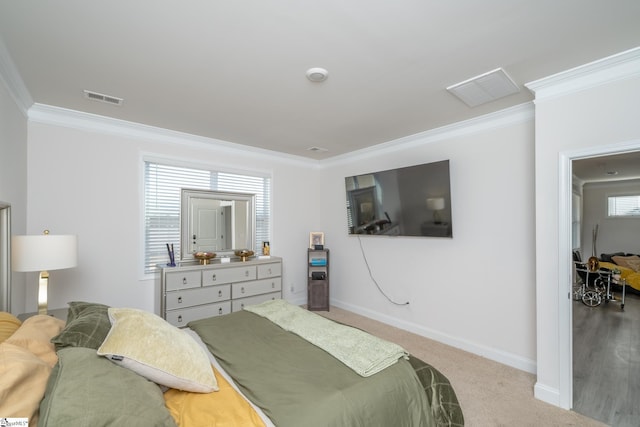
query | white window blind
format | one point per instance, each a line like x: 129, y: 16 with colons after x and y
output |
x: 162, y: 190
x: 624, y: 205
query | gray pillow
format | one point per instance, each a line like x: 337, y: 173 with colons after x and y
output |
x: 85, y: 389
x: 87, y: 326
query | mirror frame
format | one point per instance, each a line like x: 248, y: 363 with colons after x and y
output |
x: 188, y: 194
x: 5, y: 257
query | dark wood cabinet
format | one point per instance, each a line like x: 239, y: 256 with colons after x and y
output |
x: 318, y: 279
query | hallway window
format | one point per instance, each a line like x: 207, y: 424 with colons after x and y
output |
x: 624, y: 206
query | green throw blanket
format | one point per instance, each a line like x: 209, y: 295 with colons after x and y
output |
x: 360, y: 351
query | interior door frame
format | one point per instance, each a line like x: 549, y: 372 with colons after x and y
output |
x: 565, y: 268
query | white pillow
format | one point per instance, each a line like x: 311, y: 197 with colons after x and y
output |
x: 148, y: 345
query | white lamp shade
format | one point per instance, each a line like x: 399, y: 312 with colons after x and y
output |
x: 435, y: 203
x: 44, y: 252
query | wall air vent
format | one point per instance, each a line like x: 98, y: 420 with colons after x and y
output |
x: 485, y: 88
x: 101, y: 97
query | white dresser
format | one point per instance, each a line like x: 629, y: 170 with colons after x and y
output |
x: 193, y: 291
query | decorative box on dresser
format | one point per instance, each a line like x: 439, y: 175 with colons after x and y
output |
x: 192, y: 291
x: 318, y: 279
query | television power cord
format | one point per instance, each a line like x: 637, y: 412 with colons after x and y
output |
x: 364, y: 256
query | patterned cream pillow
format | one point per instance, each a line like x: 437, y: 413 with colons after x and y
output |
x: 148, y: 345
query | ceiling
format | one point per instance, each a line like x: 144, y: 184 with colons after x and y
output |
x: 608, y: 168
x: 235, y: 70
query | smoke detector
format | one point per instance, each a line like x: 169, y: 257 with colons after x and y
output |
x: 317, y: 74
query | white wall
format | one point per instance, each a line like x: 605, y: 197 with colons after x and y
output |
x: 614, y: 234
x: 89, y: 183
x: 589, y: 111
x: 475, y: 291
x: 13, y: 176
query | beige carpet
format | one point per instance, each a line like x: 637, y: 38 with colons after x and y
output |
x: 491, y: 394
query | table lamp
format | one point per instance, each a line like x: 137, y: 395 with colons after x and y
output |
x: 43, y: 253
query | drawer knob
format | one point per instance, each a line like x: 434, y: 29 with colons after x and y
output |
x: 242, y: 305
x: 219, y: 293
x: 242, y: 290
x: 220, y: 310
x: 246, y: 273
x: 184, y: 280
x: 270, y: 272
x: 179, y: 300
x: 180, y: 319
x: 273, y: 284
x: 213, y: 277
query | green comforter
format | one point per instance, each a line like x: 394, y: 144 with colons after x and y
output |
x: 298, y: 384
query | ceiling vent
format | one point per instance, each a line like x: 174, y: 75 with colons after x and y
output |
x: 101, y: 97
x: 485, y: 88
x: 317, y: 149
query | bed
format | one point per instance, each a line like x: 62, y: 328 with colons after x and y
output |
x: 629, y: 268
x: 257, y: 371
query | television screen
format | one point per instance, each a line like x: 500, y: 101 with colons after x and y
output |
x: 408, y: 201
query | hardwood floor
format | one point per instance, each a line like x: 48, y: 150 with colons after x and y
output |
x: 606, y: 361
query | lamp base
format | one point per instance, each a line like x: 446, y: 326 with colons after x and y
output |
x: 437, y: 218
x: 43, y: 284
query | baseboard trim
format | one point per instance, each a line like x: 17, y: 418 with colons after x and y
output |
x: 499, y: 356
x: 298, y: 300
x: 547, y: 394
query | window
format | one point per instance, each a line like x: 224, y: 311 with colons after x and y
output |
x: 576, y: 225
x: 624, y: 205
x: 162, y: 189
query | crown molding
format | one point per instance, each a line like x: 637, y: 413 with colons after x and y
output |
x: 509, y: 116
x: 11, y: 79
x: 616, y: 67
x: 73, y: 119
x: 48, y: 114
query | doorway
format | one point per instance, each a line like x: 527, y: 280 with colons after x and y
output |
x: 594, y: 351
x: 209, y: 217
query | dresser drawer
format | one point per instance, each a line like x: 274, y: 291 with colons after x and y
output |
x: 188, y: 297
x: 269, y: 270
x: 182, y: 280
x: 228, y: 275
x: 256, y: 287
x: 181, y: 317
x: 239, y: 304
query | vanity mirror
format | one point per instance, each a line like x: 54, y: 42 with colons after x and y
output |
x: 216, y: 221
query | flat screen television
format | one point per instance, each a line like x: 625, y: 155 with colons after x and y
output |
x: 408, y: 201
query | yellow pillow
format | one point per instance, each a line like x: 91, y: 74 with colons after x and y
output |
x: 24, y: 379
x: 26, y: 359
x: 151, y: 347
x: 35, y: 335
x: 8, y: 325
